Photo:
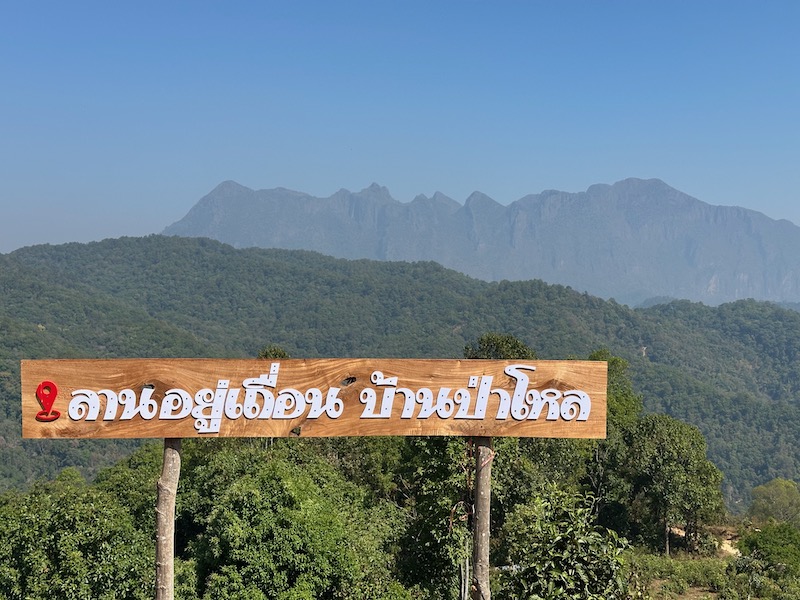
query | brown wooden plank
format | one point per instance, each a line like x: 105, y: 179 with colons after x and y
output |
x: 131, y: 381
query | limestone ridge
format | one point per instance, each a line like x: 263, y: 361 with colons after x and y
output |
x: 633, y: 240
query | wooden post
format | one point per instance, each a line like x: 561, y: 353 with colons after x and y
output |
x: 167, y: 490
x: 482, y: 518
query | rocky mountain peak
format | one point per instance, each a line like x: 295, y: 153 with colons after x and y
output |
x: 631, y: 240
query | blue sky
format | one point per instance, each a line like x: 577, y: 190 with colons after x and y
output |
x: 117, y: 117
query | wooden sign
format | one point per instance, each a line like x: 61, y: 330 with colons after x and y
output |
x: 181, y: 398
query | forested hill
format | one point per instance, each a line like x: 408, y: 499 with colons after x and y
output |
x: 733, y: 370
x: 634, y: 240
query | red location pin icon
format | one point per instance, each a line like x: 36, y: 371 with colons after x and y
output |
x: 46, y: 395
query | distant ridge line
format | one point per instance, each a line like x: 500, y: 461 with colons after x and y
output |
x: 632, y: 240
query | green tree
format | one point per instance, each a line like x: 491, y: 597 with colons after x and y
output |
x: 624, y: 404
x: 671, y: 480
x: 778, y: 545
x: 436, y: 547
x: 270, y: 523
x: 777, y: 500
x: 437, y: 478
x: 132, y: 481
x: 605, y: 470
x: 66, y: 539
x: 552, y: 549
x: 499, y: 346
x: 273, y: 351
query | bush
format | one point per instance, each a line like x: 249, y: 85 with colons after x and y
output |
x: 777, y: 545
x: 553, y: 549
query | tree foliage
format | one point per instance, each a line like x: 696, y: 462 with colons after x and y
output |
x: 268, y: 522
x: 66, y: 539
x: 434, y: 547
x: 498, y: 346
x: 273, y: 351
x: 776, y: 500
x: 671, y: 482
x: 778, y: 545
x: 551, y: 549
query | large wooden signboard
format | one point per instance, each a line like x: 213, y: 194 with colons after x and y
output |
x: 181, y: 398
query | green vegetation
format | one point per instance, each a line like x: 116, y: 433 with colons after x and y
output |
x: 776, y: 501
x: 384, y: 518
x: 733, y: 371
x: 664, y: 480
x: 305, y: 518
x: 702, y: 408
x: 552, y: 548
x: 66, y: 539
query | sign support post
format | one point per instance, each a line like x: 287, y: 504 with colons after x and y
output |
x: 482, y: 518
x: 167, y: 490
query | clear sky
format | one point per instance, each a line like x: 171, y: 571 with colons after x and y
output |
x: 117, y: 117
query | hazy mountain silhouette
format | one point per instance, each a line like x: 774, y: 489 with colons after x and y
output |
x: 632, y: 241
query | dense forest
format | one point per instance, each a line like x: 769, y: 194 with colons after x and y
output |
x: 702, y: 417
x: 733, y: 371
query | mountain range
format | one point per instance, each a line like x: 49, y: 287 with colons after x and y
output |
x: 633, y: 241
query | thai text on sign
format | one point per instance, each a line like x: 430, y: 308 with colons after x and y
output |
x: 170, y: 398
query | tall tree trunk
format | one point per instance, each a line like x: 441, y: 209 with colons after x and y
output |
x: 167, y: 490
x: 482, y: 518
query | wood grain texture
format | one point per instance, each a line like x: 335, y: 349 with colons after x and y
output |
x: 353, y: 377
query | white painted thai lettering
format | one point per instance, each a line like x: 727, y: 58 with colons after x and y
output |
x: 261, y: 400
